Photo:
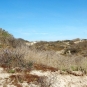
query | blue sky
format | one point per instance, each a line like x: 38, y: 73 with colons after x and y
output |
x: 47, y: 20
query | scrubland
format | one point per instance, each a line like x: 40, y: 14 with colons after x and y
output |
x: 68, y: 57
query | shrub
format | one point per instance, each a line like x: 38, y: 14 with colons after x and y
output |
x: 12, y: 58
x: 15, y: 42
x: 29, y: 65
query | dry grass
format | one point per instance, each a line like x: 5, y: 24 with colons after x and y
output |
x: 24, y: 56
x: 50, y: 58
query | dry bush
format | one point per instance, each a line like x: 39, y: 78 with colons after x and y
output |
x: 50, y: 58
x: 23, y: 56
x: 11, y: 58
x: 12, y: 42
x: 81, y: 47
x: 72, y: 50
x: 48, y: 46
x: 14, y: 58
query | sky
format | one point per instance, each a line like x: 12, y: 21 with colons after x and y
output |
x: 44, y: 20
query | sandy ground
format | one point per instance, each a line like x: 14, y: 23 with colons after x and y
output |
x: 53, y: 79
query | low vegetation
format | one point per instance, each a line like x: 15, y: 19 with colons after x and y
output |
x: 19, y: 58
x: 65, y: 55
